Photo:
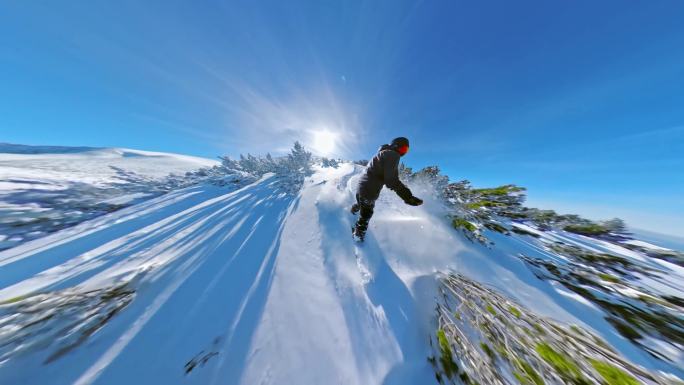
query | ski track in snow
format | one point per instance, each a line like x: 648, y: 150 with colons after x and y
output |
x: 264, y: 288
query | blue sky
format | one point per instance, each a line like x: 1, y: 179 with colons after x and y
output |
x: 582, y: 102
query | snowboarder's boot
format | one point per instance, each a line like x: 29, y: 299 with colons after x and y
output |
x: 355, y: 208
x: 357, y: 236
x: 359, y: 231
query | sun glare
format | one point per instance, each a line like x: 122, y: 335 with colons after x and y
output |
x: 324, y: 142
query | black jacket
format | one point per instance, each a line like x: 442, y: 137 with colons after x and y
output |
x: 383, y: 169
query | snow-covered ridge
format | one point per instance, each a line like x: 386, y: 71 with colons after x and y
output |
x: 54, y: 165
x: 45, y: 188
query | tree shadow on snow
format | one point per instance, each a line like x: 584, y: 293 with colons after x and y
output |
x: 208, y: 266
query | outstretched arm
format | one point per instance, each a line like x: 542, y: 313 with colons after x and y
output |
x: 391, y: 170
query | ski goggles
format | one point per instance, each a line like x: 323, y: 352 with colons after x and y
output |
x: 403, y: 149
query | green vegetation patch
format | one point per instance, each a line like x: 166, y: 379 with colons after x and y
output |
x: 612, y: 375
x: 447, y: 359
x: 501, y: 190
x: 484, y: 203
x: 15, y: 299
x: 591, y: 229
x: 539, y: 329
x: 461, y: 223
x: 518, y: 346
x: 514, y: 310
x: 609, y: 278
x: 560, y: 362
x: 526, y: 374
x: 488, y: 350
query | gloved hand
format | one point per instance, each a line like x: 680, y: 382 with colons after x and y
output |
x: 413, y: 201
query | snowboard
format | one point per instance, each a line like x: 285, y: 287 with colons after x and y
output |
x: 362, y: 264
x: 361, y: 260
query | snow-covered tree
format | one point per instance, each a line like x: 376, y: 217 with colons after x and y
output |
x: 431, y: 176
x: 616, y: 226
x: 290, y: 170
x: 325, y: 162
x: 405, y: 172
x: 298, y: 160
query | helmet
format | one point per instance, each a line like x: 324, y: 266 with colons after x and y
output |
x: 400, y: 145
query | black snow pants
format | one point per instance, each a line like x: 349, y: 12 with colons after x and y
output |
x: 366, y: 212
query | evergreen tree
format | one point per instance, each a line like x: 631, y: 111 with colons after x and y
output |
x: 615, y: 225
x: 299, y: 159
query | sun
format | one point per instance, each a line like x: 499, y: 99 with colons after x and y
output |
x: 324, y: 142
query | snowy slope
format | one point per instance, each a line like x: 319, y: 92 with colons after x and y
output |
x: 51, y: 167
x: 46, y: 188
x: 253, y: 286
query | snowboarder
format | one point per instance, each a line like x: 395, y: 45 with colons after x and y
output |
x: 382, y: 170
